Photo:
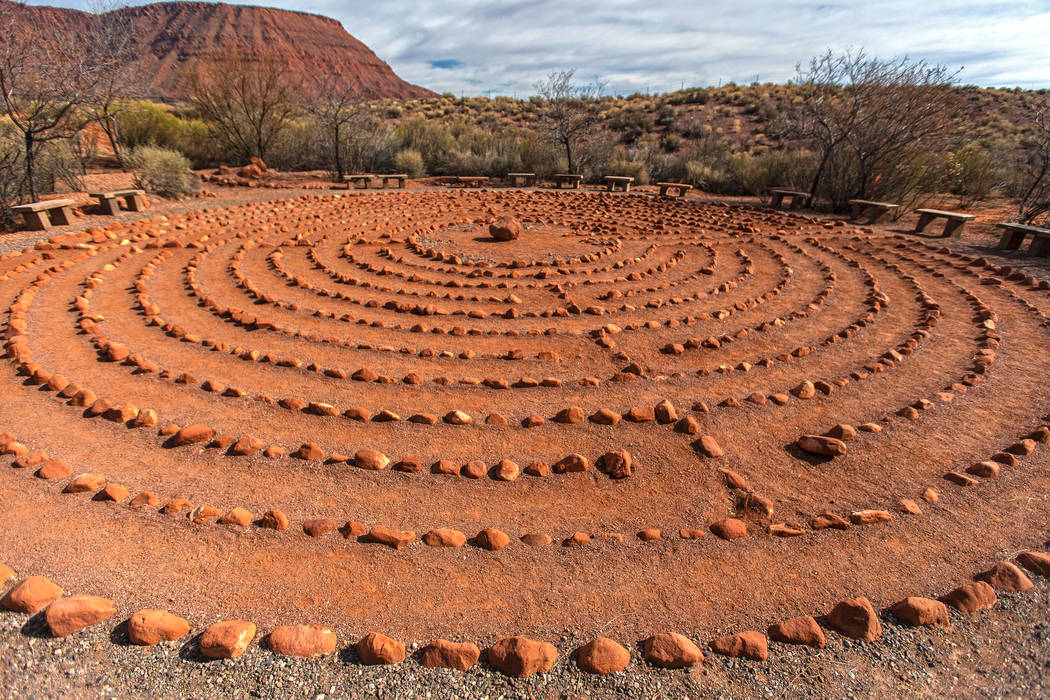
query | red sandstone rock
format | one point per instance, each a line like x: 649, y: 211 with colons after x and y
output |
x: 68, y: 615
x: 521, y: 657
x: 373, y: 460
x: 921, y: 611
x: 227, y: 640
x: 534, y: 539
x: 670, y: 650
x: 444, y: 538
x: 492, y: 539
x: 617, y: 464
x: 729, y: 528
x: 1006, y: 576
x: 30, y: 595
x: 148, y: 627
x: 302, y: 640
x: 506, y: 228
x: 391, y: 538
x: 750, y: 645
x: 192, y: 434
x: 710, y: 448
x: 53, y: 469
x: 571, y: 463
x: 798, y: 630
x: 442, y: 653
x: 274, y: 520
x: 319, y: 526
x: 971, y: 597
x: 602, y: 656
x: 375, y: 649
x: 822, y: 445
x: 85, y: 483
x: 1036, y: 562
x: 237, y: 516
x: 856, y: 619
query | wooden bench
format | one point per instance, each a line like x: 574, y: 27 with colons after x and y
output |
x: 358, y: 181
x: 522, y: 179
x: 954, y: 221
x: 40, y: 216
x: 570, y: 179
x: 134, y: 200
x: 795, y: 198
x: 872, y: 210
x: 1014, y: 235
x: 470, y: 180
x: 397, y: 178
x: 680, y: 189
x: 621, y: 181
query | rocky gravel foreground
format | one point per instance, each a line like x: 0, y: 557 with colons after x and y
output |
x: 1003, y: 652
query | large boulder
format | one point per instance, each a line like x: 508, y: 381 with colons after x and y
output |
x: 505, y: 228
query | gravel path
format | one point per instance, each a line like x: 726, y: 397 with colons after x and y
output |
x: 1003, y: 652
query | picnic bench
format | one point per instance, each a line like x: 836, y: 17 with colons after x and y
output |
x: 522, y: 179
x: 621, y: 181
x: 795, y: 198
x: 134, y: 200
x: 680, y: 189
x: 570, y: 179
x: 470, y: 180
x: 1014, y: 235
x: 40, y: 216
x: 873, y: 211
x: 954, y: 221
x: 363, y: 181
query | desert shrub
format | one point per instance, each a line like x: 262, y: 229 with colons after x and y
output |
x: 302, y: 145
x: 409, y: 162
x: 974, y: 171
x: 162, y: 171
x: 628, y: 168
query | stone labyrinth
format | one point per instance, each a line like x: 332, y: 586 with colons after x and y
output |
x: 642, y: 415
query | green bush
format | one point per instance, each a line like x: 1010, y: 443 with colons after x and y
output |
x: 162, y: 171
x: 409, y: 162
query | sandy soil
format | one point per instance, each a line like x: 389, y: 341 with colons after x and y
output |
x: 229, y: 305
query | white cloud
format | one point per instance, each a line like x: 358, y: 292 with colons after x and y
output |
x: 648, y: 45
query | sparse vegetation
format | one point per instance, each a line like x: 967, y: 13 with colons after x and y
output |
x: 162, y: 171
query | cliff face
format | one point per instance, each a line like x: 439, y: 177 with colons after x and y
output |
x: 172, y: 38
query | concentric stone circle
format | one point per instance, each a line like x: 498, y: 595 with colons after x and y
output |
x: 679, y: 397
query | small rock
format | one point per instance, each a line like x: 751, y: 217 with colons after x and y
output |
x: 750, y: 645
x: 729, y: 528
x: 536, y: 539
x: 709, y: 446
x: 1006, y: 576
x: 31, y: 595
x: 617, y: 464
x: 373, y: 460
x: 68, y: 615
x: 856, y: 619
x: 444, y: 538
x: 442, y: 653
x: 319, y: 526
x: 869, y: 517
x: 375, y: 649
x: 492, y: 539
x: 237, y: 516
x: 391, y: 538
x: 274, y: 520
x: 602, y: 656
x: 971, y: 597
x: 798, y: 630
x: 148, y: 627
x: 670, y: 650
x: 192, y: 434
x: 520, y: 657
x: 822, y: 445
x: 921, y: 611
x: 1036, y: 562
x: 227, y: 640
x: 301, y: 640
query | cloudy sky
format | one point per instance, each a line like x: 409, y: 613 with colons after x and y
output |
x: 476, y: 47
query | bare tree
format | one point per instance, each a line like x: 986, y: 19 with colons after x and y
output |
x: 869, y: 120
x: 335, y: 104
x: 248, y: 100
x: 110, y: 48
x: 1033, y: 169
x: 570, y: 114
x: 44, y: 79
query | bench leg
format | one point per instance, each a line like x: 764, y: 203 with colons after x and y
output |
x: 135, y: 202
x: 62, y: 216
x: 1011, y: 240
x: 953, y: 228
x: 778, y: 199
x: 109, y: 206
x: 1040, y: 247
x: 626, y: 187
x: 924, y: 221
x: 36, y: 220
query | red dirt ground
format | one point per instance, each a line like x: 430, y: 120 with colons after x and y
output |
x: 283, y: 297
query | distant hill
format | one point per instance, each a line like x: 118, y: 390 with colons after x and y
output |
x: 173, y: 37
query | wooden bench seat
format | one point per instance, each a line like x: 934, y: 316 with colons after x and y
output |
x: 521, y: 179
x: 953, y: 221
x: 571, y: 179
x: 40, y: 216
x: 1014, y: 235
x: 470, y: 180
x: 362, y: 181
x: 618, y: 181
x: 680, y: 189
x: 872, y: 211
x: 134, y: 200
x: 795, y: 198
